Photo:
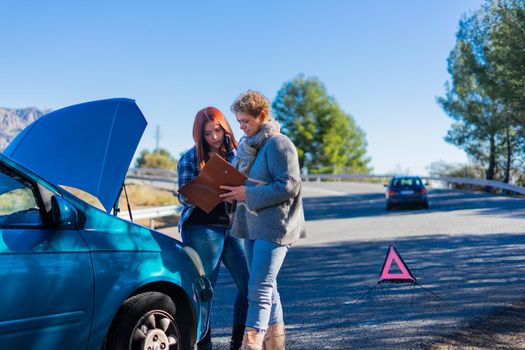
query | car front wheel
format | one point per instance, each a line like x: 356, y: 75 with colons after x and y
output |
x: 146, y: 321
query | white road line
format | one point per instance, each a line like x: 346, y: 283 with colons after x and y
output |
x: 332, y: 192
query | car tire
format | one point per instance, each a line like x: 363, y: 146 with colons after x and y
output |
x: 425, y: 205
x: 389, y: 206
x: 147, y: 320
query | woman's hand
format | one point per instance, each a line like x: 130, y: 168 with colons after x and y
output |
x: 237, y: 193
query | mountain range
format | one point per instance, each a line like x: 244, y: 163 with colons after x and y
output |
x: 12, y: 121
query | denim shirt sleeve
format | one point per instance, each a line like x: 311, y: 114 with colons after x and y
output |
x: 187, y: 170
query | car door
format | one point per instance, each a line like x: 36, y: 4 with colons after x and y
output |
x: 46, y: 274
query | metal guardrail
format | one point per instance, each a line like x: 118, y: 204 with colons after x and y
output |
x: 152, y: 172
x: 167, y: 178
x: 170, y: 177
x: 478, y: 182
x: 151, y: 213
x: 446, y: 179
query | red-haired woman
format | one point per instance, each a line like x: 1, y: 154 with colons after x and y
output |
x: 208, y: 234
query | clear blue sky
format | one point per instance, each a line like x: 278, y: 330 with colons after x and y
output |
x: 383, y: 60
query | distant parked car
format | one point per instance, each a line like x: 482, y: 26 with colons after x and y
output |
x: 74, y: 276
x: 406, y: 190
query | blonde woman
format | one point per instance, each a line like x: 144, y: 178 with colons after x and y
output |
x: 269, y: 214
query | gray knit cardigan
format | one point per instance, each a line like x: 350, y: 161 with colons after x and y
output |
x: 273, y: 210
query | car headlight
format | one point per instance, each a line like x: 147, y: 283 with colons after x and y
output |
x: 195, y: 258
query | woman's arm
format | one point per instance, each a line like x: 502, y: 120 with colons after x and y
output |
x: 283, y: 165
x: 187, y: 170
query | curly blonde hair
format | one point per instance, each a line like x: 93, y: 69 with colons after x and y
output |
x: 253, y: 103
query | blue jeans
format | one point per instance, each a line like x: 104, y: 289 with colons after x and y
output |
x: 214, y: 244
x: 265, y: 260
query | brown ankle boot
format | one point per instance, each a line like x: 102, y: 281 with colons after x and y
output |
x: 253, y: 339
x: 274, y: 339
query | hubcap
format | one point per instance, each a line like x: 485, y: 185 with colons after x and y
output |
x: 155, y: 340
x: 155, y: 331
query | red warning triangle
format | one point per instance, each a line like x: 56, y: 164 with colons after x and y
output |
x: 404, y: 276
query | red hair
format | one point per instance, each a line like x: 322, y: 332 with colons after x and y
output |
x: 206, y: 115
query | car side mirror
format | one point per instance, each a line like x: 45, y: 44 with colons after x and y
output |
x: 62, y: 213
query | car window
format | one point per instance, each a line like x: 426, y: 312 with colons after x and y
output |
x: 406, y: 182
x: 18, y: 204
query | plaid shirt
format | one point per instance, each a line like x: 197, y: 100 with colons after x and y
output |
x: 187, y: 170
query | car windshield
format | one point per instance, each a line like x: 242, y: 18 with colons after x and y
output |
x: 407, y: 182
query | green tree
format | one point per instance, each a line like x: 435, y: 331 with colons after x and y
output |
x: 327, y: 139
x: 507, y: 52
x: 158, y: 159
x: 486, y: 96
x: 471, y: 98
x: 507, y: 55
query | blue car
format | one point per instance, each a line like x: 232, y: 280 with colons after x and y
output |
x: 73, y: 276
x: 406, y: 190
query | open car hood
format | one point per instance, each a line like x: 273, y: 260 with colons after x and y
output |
x: 88, y: 146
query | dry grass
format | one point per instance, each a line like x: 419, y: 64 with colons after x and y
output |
x: 140, y: 196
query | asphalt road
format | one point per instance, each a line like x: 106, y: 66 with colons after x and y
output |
x: 468, y: 248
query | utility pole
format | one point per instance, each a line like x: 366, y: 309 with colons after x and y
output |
x: 157, y: 138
